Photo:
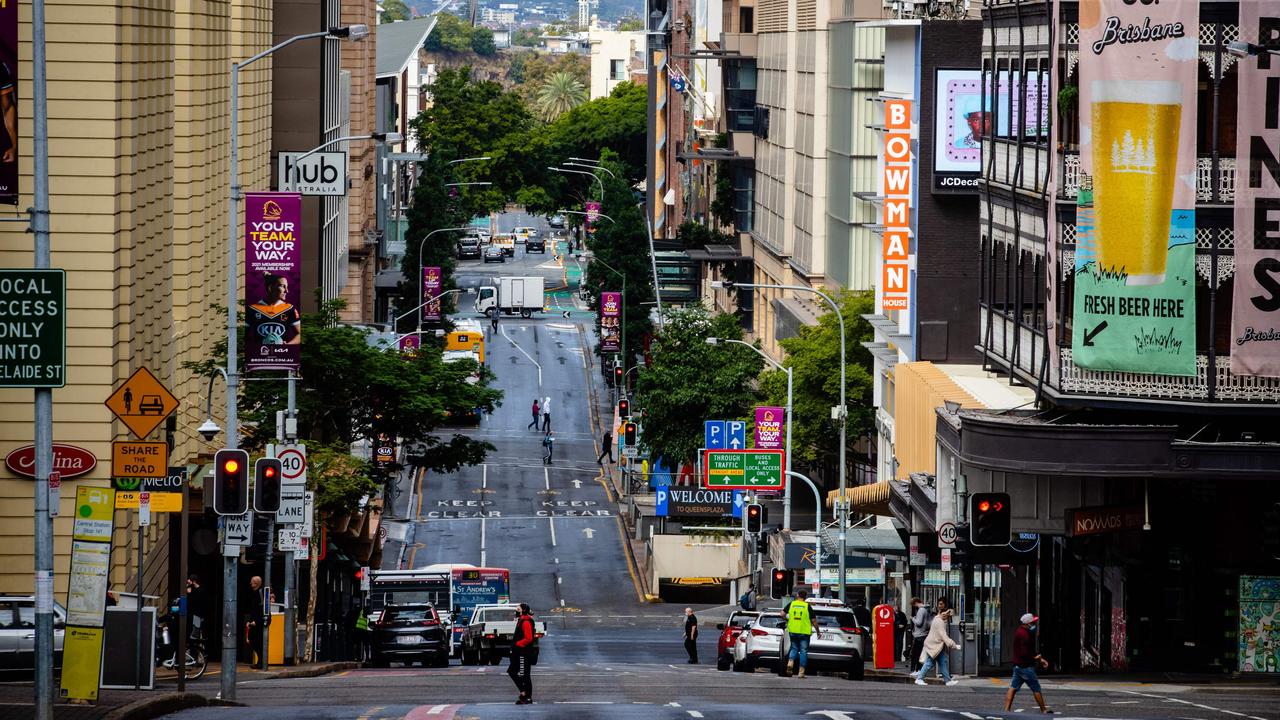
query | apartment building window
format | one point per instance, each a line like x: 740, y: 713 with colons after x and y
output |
x: 617, y: 69
x: 746, y: 20
x: 740, y: 94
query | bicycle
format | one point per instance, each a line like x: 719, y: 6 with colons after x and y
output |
x: 197, y: 662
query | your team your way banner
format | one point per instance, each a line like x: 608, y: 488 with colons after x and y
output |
x: 273, y: 280
x: 1134, y: 308
x: 1255, y: 315
x: 9, y: 103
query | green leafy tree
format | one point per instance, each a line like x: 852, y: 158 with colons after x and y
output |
x: 630, y: 23
x: 339, y: 479
x: 350, y: 391
x: 482, y: 42
x: 561, y: 93
x: 393, y: 10
x: 690, y: 381
x: 696, y: 235
x: 529, y: 71
x: 814, y: 358
x: 526, y: 37
x: 451, y: 34
x: 617, y: 123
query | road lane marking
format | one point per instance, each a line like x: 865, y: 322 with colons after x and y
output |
x: 369, y: 713
x: 503, y: 329
x: 695, y: 713
x: 484, y: 485
x: 1192, y: 704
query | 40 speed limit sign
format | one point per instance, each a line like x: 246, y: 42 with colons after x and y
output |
x: 293, y: 464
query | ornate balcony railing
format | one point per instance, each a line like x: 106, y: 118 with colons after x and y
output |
x: 1069, y: 185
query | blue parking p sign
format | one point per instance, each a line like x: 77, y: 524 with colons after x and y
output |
x: 661, y: 495
x: 714, y: 435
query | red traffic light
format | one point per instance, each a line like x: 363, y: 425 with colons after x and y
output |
x: 753, y: 509
x: 269, y: 472
x: 231, y: 466
x: 984, y: 506
x: 779, y: 575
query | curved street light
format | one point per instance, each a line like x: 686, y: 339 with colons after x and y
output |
x: 422, y: 245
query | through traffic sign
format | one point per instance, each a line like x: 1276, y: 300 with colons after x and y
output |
x: 142, y: 403
x: 745, y: 469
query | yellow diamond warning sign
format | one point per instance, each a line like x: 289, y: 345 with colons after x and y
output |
x: 142, y: 403
x: 139, y: 459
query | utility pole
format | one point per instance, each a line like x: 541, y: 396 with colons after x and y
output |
x: 43, y: 432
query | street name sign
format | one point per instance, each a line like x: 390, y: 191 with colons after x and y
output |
x: 743, y: 469
x: 33, y: 347
x: 142, y: 402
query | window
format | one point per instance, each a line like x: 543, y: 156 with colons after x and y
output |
x: 617, y: 69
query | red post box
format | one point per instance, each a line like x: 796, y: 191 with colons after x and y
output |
x: 882, y: 637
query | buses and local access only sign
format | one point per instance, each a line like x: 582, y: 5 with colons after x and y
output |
x: 33, y: 328
x: 744, y: 469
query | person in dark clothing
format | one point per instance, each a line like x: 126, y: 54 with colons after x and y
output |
x: 1025, y: 662
x: 537, y: 415
x: 606, y: 447
x: 691, y: 635
x: 494, y: 322
x: 862, y: 614
x: 255, y: 617
x: 197, y: 606
x: 523, y: 652
x: 900, y: 625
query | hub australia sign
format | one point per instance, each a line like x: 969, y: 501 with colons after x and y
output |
x: 322, y: 173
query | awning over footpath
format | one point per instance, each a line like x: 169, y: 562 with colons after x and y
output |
x: 872, y: 499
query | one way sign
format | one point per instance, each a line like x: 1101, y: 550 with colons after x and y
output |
x: 237, y: 532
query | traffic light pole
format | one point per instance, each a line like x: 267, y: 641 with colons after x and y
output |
x: 266, y: 589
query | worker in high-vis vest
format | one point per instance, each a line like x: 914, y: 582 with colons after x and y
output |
x: 800, y: 629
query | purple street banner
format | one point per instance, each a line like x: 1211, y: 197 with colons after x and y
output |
x: 769, y: 428
x: 610, y: 318
x: 1135, y: 264
x: 1255, y: 316
x: 409, y: 344
x: 431, y: 288
x: 9, y: 103
x: 593, y: 211
x: 273, y: 280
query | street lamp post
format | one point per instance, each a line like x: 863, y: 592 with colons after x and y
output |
x: 786, y: 491
x: 584, y: 164
x: 623, y: 348
x: 840, y: 412
x: 230, y: 580
x: 593, y: 176
x: 421, y: 265
x: 817, y: 524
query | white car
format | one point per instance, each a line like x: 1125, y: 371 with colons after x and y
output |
x: 758, y: 644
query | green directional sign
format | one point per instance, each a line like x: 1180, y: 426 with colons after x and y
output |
x: 745, y: 469
x: 33, y: 328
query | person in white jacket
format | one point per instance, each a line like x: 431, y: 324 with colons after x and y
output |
x: 935, y: 650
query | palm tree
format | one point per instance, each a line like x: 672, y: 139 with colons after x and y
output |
x: 561, y: 93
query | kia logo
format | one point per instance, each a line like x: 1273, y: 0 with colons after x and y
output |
x: 69, y: 460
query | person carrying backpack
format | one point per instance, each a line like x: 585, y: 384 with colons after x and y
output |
x: 524, y: 655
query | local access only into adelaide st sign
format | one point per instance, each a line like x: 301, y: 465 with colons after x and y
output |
x: 33, y: 328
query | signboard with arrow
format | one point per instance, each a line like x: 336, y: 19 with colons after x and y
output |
x: 237, y: 532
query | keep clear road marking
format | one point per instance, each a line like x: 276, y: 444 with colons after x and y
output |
x: 503, y: 330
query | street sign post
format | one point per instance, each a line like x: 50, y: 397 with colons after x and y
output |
x: 293, y: 507
x: 947, y: 535
x: 142, y: 403
x: 33, y: 350
x: 743, y: 469
x: 237, y: 532
x: 139, y: 460
x: 714, y: 435
x: 735, y: 434
x: 293, y: 464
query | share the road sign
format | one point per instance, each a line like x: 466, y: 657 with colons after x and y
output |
x: 745, y: 469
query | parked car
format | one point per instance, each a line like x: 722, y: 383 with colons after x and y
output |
x: 757, y: 645
x: 18, y: 632
x: 409, y: 633
x: 837, y: 646
x: 495, y: 253
x: 469, y: 247
x: 490, y: 633
x: 729, y: 630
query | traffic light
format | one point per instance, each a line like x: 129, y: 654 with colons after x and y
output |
x: 231, y: 482
x: 990, y: 519
x: 781, y: 585
x: 266, y: 485
x: 624, y: 408
x: 755, y: 517
x: 629, y: 434
x: 617, y: 376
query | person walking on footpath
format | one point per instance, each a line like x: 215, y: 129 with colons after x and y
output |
x: 691, y: 635
x: 548, y: 442
x: 546, y: 414
x: 936, y: 645
x: 920, y: 618
x: 537, y: 415
x: 524, y: 654
x: 901, y: 641
x: 606, y: 447
x: 1025, y: 662
x: 800, y: 629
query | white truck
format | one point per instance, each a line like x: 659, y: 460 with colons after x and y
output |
x: 489, y: 635
x: 524, y: 295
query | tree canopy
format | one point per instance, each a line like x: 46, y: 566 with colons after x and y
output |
x: 814, y: 358
x: 690, y: 381
x: 617, y: 122
x: 630, y: 23
x: 561, y: 93
x: 393, y: 10
x: 453, y: 34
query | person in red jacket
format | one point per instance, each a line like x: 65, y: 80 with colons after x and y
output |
x: 523, y: 652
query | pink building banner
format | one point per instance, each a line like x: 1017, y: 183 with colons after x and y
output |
x: 769, y: 427
x: 273, y: 281
x: 431, y: 289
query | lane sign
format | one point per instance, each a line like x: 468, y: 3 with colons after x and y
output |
x: 744, y: 469
x: 139, y: 460
x: 293, y: 507
x: 33, y: 348
x: 735, y: 434
x: 714, y: 435
x: 142, y: 402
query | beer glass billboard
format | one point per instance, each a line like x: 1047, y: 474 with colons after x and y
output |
x: 1255, y: 314
x: 273, y: 281
x: 1134, y: 308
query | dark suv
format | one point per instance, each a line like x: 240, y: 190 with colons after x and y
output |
x: 469, y: 247
x: 408, y: 633
x: 535, y: 243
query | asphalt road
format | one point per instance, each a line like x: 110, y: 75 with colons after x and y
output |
x: 607, y: 654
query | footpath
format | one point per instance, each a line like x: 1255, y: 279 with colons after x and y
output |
x: 17, y: 700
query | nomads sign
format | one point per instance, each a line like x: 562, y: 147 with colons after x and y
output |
x: 895, y: 268
x: 1135, y: 220
x: 1095, y: 520
x: 273, y: 275
x: 1255, y: 318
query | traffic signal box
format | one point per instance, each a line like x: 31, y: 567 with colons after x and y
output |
x: 990, y: 519
x: 782, y: 581
x: 617, y: 376
x: 629, y: 434
x: 624, y: 408
x: 266, y: 485
x: 755, y: 517
x: 231, y: 482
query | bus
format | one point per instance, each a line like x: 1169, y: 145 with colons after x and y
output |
x: 454, y: 589
x: 466, y: 335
